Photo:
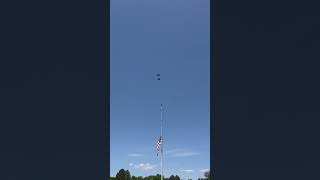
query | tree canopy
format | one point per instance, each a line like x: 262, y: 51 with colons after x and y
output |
x: 125, y: 175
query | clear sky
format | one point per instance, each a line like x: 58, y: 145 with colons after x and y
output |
x: 170, y: 37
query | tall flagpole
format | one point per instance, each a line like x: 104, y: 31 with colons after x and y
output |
x: 161, y: 111
x: 161, y: 135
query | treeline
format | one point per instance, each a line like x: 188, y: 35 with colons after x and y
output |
x: 125, y: 175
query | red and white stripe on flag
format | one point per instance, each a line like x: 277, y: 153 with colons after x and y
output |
x: 159, y: 145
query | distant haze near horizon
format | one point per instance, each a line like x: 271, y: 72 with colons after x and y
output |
x: 170, y: 37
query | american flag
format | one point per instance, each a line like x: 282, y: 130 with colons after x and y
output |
x: 159, y: 145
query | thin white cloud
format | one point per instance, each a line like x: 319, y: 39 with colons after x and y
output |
x: 178, y: 152
x: 187, y: 170
x: 171, y: 151
x: 135, y: 155
x: 204, y: 170
x: 185, y: 154
x: 143, y: 166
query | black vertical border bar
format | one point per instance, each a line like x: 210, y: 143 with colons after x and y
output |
x: 212, y: 90
x: 107, y: 16
x: 107, y: 87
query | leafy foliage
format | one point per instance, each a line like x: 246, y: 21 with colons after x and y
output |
x: 125, y: 175
x: 128, y: 176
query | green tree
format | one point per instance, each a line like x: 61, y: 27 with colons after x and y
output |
x: 128, y: 176
x: 171, y: 177
x: 156, y: 177
x: 177, y: 177
x: 121, y: 175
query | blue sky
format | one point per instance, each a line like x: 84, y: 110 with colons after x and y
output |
x: 170, y: 37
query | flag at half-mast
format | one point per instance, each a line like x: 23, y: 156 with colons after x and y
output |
x: 159, y: 143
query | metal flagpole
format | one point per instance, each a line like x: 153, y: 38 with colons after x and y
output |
x: 161, y: 135
x: 161, y: 111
